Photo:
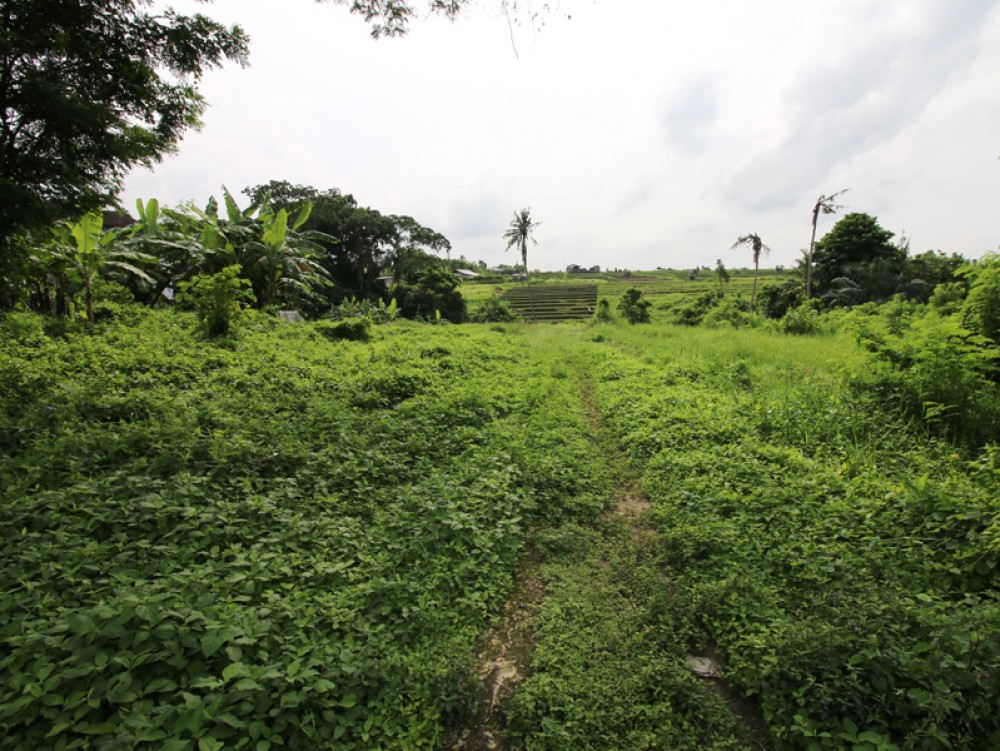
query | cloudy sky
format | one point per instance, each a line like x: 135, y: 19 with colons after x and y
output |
x: 641, y: 133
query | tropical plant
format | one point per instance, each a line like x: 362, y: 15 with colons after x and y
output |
x: 757, y: 245
x: 283, y: 262
x: 82, y: 250
x: 519, y: 232
x: 824, y: 204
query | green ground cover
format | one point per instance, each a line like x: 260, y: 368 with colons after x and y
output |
x: 272, y: 541
x: 843, y: 563
x: 278, y: 540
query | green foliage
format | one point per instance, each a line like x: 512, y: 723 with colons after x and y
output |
x: 358, y: 244
x: 845, y: 565
x: 603, y: 312
x: 634, y: 307
x: 731, y: 311
x: 947, y: 298
x: 981, y: 309
x: 90, y: 92
x: 219, y: 299
x: 349, y: 329
x: 434, y: 295
x: 859, y: 250
x: 936, y: 371
x: 493, y: 310
x: 80, y: 251
x: 801, y: 320
x: 692, y: 311
x: 284, y: 541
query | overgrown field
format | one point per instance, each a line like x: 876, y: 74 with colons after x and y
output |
x: 844, y: 566
x: 280, y: 540
x: 277, y: 541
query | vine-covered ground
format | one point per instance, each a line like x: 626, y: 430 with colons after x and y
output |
x: 281, y: 541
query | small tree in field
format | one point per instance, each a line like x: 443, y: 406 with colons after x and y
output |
x: 634, y: 307
x: 757, y: 245
x: 721, y: 276
x: 218, y: 299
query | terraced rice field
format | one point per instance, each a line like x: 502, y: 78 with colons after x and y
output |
x: 556, y: 302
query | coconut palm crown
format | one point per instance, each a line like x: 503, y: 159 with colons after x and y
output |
x: 519, y: 232
x: 757, y: 245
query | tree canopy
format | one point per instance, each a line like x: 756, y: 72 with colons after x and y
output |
x: 366, y: 243
x: 857, y: 253
x: 90, y: 89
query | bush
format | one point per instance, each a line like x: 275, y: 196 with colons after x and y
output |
x: 801, y: 320
x: 731, y: 311
x: 349, y: 329
x: 218, y: 299
x: 937, y: 372
x: 981, y: 310
x: 603, y: 313
x: 494, y: 310
x: 434, y: 295
x: 634, y: 307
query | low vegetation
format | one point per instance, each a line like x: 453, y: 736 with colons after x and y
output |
x: 221, y: 530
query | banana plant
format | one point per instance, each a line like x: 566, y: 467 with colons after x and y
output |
x: 284, y: 262
x: 85, y: 250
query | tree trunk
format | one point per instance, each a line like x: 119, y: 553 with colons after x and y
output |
x: 809, y: 258
x: 753, y: 292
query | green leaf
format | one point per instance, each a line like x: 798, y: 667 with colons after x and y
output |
x: 235, y: 670
x: 210, y: 644
x: 348, y: 701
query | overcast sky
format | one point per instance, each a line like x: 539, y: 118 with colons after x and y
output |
x: 641, y: 133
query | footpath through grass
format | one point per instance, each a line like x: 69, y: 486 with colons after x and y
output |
x: 609, y: 667
x: 280, y: 540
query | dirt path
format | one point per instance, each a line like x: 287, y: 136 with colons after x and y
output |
x: 504, y: 653
x: 631, y: 502
x: 504, y: 658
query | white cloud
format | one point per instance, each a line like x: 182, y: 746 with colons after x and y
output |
x: 641, y: 133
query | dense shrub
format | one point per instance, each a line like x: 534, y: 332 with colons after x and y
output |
x: 493, y: 310
x: 349, y: 329
x: 634, y: 307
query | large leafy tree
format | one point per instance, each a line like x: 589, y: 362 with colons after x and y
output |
x: 90, y: 89
x: 363, y: 242
x: 392, y: 17
x: 858, y: 255
x: 519, y: 232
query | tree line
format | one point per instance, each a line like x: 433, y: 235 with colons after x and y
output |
x: 294, y: 247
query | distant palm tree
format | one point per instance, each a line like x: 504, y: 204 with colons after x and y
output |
x: 754, y: 241
x: 519, y: 232
x: 826, y: 205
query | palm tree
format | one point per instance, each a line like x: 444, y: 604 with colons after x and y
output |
x: 754, y: 241
x: 826, y: 205
x: 519, y: 232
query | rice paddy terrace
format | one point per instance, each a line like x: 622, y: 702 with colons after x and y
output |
x: 553, y: 302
